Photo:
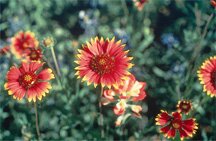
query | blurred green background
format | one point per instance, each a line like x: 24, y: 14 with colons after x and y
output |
x: 162, y: 38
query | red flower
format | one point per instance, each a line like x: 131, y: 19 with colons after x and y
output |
x: 33, y: 54
x: 184, y: 106
x: 119, y: 109
x: 131, y: 88
x: 30, y: 80
x: 207, y: 76
x: 171, y: 124
x: 103, y: 62
x: 22, y: 41
x: 4, y: 50
x: 213, y: 3
x: 139, y: 4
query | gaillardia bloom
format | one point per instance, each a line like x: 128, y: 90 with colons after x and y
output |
x: 207, y: 76
x: 33, y: 54
x: 29, y: 79
x: 184, y: 106
x: 103, y: 62
x: 21, y: 41
x: 172, y: 124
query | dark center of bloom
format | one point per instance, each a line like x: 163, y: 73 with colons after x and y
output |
x: 28, y: 79
x: 213, y: 79
x: 102, y: 64
x: 34, y: 55
x: 176, y: 123
x: 185, y: 106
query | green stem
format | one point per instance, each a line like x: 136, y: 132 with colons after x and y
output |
x: 55, y: 61
x: 36, y: 120
x: 101, y: 115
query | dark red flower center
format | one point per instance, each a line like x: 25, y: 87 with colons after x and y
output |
x: 176, y: 123
x: 34, y: 55
x: 28, y: 79
x: 102, y: 64
x: 213, y: 79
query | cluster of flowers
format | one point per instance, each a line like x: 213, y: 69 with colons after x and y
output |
x: 104, y: 62
x: 174, y: 123
x: 125, y: 95
x: 30, y: 78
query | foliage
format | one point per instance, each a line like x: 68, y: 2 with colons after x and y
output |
x: 167, y: 43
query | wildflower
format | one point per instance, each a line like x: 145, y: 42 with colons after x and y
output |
x: 173, y: 124
x: 139, y: 4
x: 125, y: 95
x: 4, y: 50
x: 131, y: 89
x: 103, y: 62
x: 33, y: 54
x: 119, y: 120
x: 119, y: 109
x: 207, y: 76
x: 48, y: 42
x: 22, y: 41
x: 213, y: 3
x: 121, y: 34
x: 169, y: 40
x: 184, y: 106
x: 29, y: 79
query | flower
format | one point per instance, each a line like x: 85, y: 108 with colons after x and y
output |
x: 125, y: 95
x: 139, y: 4
x: 184, y: 106
x: 169, y: 40
x: 29, y: 79
x: 207, y: 76
x: 33, y: 54
x: 48, y: 42
x: 213, y: 3
x: 172, y: 124
x: 103, y: 62
x: 131, y: 89
x: 4, y: 50
x: 21, y: 41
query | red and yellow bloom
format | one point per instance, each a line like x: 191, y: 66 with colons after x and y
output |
x: 22, y: 41
x: 33, y: 54
x: 173, y: 123
x: 184, y: 106
x: 207, y: 76
x: 29, y: 79
x: 125, y: 95
x: 103, y: 62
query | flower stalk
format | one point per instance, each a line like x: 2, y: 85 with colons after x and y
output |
x: 36, y: 120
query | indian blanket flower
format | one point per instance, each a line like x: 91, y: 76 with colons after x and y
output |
x: 29, y: 80
x: 184, y: 106
x: 125, y: 96
x: 33, y: 54
x: 103, y: 62
x: 207, y: 76
x: 22, y: 41
x: 139, y: 4
x: 171, y: 124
